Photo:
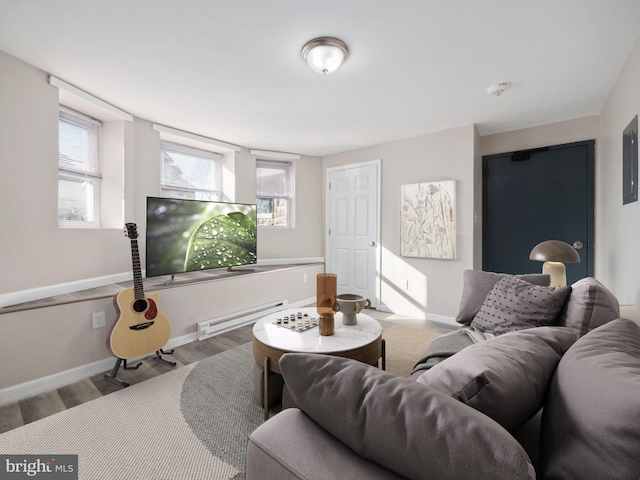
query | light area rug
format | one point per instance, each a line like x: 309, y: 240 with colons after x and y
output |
x: 191, y: 423
x: 133, y: 434
x: 405, y: 345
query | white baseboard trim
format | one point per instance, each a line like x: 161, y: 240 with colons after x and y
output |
x: 442, y: 319
x: 433, y: 317
x: 38, y: 386
x: 32, y: 294
x: 183, y: 340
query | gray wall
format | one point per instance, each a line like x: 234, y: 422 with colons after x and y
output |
x: 617, y: 244
x: 434, y: 286
x: 36, y: 254
x: 58, y: 341
x: 41, y: 254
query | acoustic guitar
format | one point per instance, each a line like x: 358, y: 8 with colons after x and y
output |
x: 140, y: 327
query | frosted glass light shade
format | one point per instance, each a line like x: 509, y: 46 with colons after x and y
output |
x: 325, y: 54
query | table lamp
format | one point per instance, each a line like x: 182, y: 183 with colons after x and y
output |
x: 555, y: 254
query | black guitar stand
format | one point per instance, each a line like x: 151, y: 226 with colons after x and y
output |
x: 112, y: 377
x: 122, y: 362
x: 159, y: 357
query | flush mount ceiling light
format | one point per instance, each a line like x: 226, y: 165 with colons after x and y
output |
x: 499, y: 88
x: 325, y: 54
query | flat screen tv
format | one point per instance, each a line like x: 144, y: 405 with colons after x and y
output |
x: 195, y: 235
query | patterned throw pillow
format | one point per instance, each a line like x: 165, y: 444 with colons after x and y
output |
x: 514, y: 304
x: 477, y: 284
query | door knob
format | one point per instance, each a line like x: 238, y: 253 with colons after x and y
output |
x: 577, y: 245
x: 372, y: 243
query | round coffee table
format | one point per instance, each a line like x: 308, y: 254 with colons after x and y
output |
x: 362, y: 342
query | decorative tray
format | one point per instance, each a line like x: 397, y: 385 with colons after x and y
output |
x: 297, y: 321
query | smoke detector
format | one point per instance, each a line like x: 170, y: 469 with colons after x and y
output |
x: 499, y: 88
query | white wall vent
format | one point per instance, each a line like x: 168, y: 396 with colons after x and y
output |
x: 222, y: 324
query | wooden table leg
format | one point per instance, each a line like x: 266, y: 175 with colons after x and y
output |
x: 384, y: 355
x: 265, y: 393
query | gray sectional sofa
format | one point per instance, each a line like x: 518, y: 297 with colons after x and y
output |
x: 554, y: 395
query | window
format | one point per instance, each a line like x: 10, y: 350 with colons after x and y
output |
x: 190, y: 173
x: 78, y: 169
x: 273, y: 195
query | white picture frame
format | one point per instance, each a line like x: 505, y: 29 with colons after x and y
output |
x: 428, y: 220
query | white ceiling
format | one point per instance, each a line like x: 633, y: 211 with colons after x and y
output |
x: 232, y: 70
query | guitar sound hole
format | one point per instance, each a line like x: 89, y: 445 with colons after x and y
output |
x: 139, y: 305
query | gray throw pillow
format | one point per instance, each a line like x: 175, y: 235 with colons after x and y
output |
x: 402, y: 425
x: 477, y: 284
x: 591, y: 417
x: 590, y: 305
x: 513, y: 304
x: 506, y: 377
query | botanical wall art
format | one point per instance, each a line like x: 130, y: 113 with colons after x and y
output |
x: 428, y: 220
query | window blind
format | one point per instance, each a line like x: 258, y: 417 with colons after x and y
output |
x: 273, y: 179
x: 79, y: 143
x: 187, y: 168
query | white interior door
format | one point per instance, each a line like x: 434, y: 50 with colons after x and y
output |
x: 353, y: 235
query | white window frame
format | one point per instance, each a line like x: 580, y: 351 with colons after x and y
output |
x: 90, y: 176
x: 109, y: 200
x: 286, y: 194
x: 172, y: 189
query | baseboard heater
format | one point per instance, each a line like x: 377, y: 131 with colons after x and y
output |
x: 222, y: 324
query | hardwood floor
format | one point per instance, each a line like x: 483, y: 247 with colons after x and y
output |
x: 31, y: 409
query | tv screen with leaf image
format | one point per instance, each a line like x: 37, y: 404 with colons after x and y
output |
x: 194, y: 235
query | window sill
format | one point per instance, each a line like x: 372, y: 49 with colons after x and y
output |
x: 79, y: 225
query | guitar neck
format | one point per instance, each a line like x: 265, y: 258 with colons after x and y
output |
x: 138, y: 287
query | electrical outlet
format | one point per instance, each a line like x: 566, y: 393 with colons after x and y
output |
x: 98, y: 320
x: 304, y: 278
x: 404, y: 284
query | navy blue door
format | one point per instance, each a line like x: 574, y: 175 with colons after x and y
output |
x: 537, y: 195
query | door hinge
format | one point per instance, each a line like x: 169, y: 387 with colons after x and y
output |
x: 329, y: 232
x: 329, y: 185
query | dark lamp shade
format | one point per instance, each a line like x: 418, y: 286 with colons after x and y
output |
x: 554, y: 251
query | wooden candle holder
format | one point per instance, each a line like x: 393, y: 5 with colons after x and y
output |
x: 327, y: 326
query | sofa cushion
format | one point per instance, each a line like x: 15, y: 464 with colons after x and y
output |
x: 292, y: 446
x: 590, y: 305
x: 477, y: 284
x: 506, y: 377
x: 402, y: 425
x: 591, y: 417
x: 514, y: 304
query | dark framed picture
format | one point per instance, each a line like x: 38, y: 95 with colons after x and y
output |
x: 630, y: 162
